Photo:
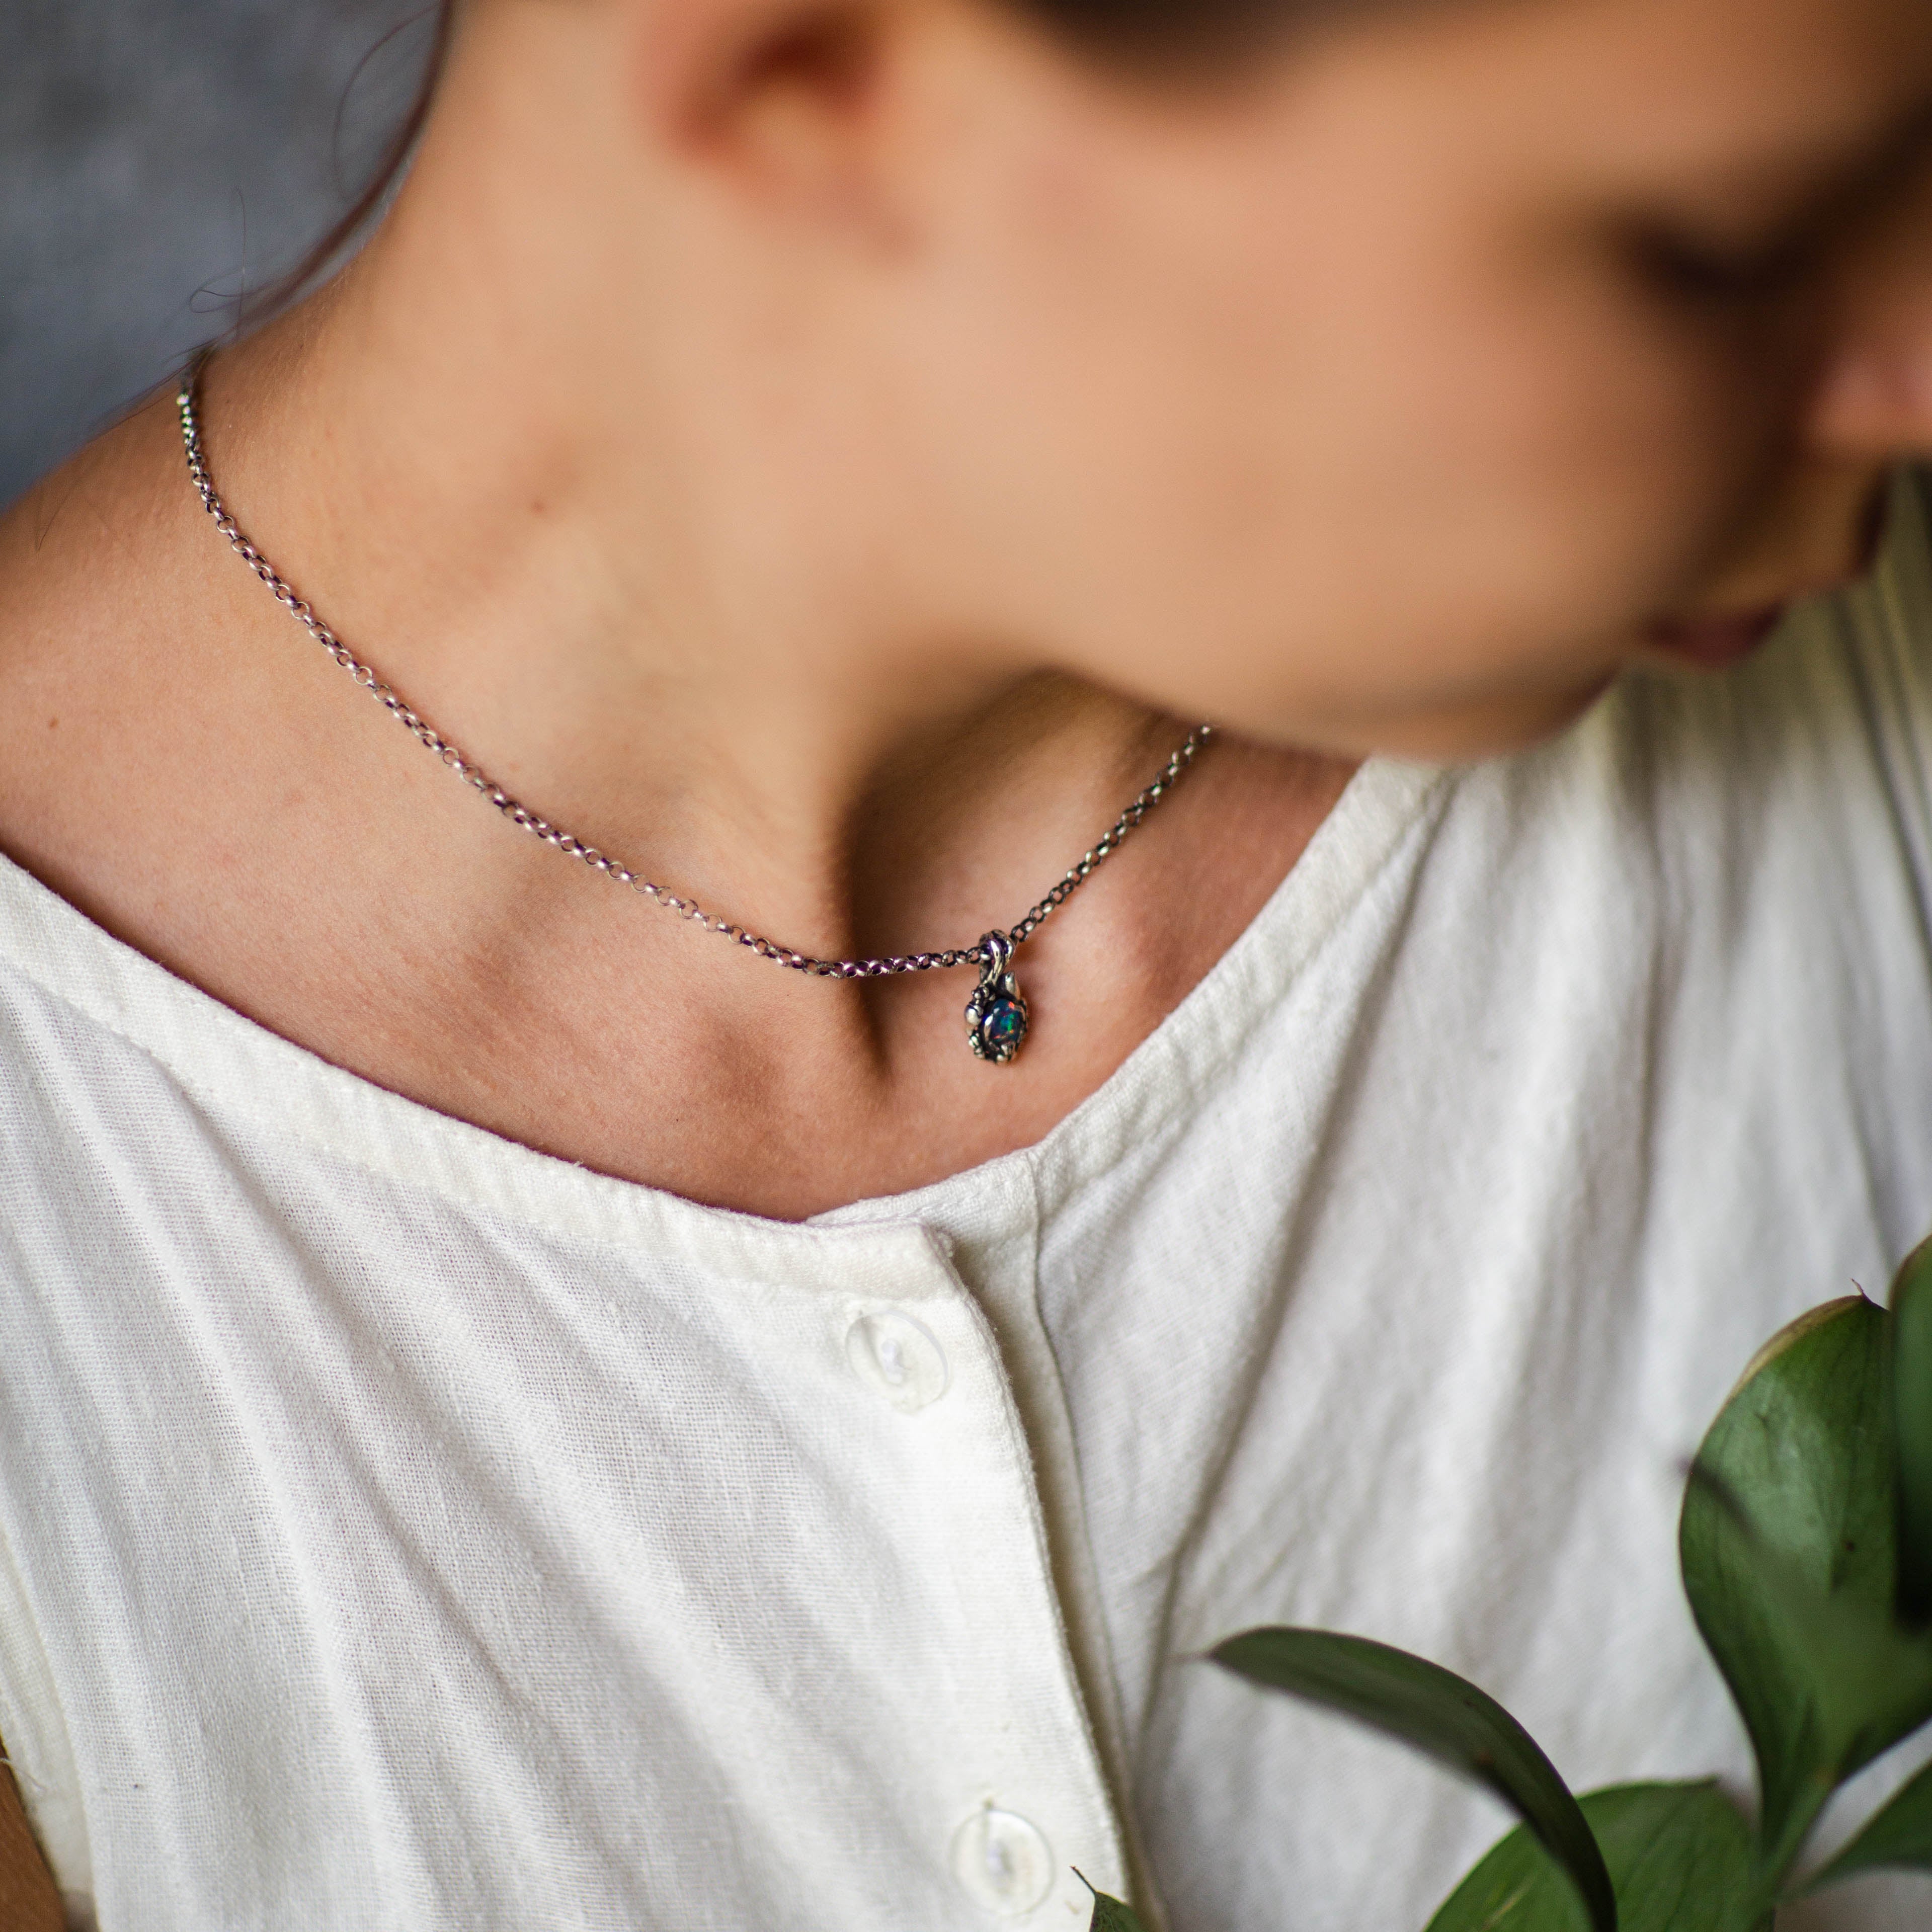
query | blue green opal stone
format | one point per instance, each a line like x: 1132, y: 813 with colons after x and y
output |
x: 1005, y: 1025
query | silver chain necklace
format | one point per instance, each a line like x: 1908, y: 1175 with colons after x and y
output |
x: 997, y: 1018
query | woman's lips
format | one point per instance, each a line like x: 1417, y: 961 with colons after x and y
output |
x: 1712, y: 642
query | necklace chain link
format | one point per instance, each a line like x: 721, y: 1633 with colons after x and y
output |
x: 466, y: 768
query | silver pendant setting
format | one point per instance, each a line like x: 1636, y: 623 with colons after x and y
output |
x: 997, y: 1017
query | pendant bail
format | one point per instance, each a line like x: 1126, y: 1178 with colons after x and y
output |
x: 997, y: 1018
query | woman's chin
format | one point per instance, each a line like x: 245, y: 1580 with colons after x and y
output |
x: 1492, y: 727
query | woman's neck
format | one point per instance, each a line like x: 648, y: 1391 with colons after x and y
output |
x: 677, y: 602
x: 690, y: 629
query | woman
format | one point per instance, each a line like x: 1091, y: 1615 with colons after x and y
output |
x: 516, y: 1411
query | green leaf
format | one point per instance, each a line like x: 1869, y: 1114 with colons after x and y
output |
x: 1109, y: 1914
x: 1679, y: 1857
x: 1439, y: 1713
x: 1911, y: 1420
x: 1788, y: 1548
x: 1899, y: 1838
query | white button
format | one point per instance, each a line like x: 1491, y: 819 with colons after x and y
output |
x: 1002, y: 1862
x: 900, y: 1357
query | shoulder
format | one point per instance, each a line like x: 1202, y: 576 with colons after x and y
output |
x: 88, y: 566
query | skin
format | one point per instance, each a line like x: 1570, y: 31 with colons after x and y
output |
x: 828, y: 455
x: 1010, y: 412
x: 28, y: 1901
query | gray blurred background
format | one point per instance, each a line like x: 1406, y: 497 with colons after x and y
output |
x: 156, y: 157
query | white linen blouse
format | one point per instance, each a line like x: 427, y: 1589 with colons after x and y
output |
x: 401, y: 1528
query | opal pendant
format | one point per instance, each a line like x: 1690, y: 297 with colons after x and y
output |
x: 997, y: 1018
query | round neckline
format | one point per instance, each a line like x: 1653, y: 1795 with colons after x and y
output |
x: 238, y: 1066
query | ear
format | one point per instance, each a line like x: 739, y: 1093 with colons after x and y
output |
x: 789, y: 100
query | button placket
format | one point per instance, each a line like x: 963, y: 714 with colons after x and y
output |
x: 983, y: 1553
